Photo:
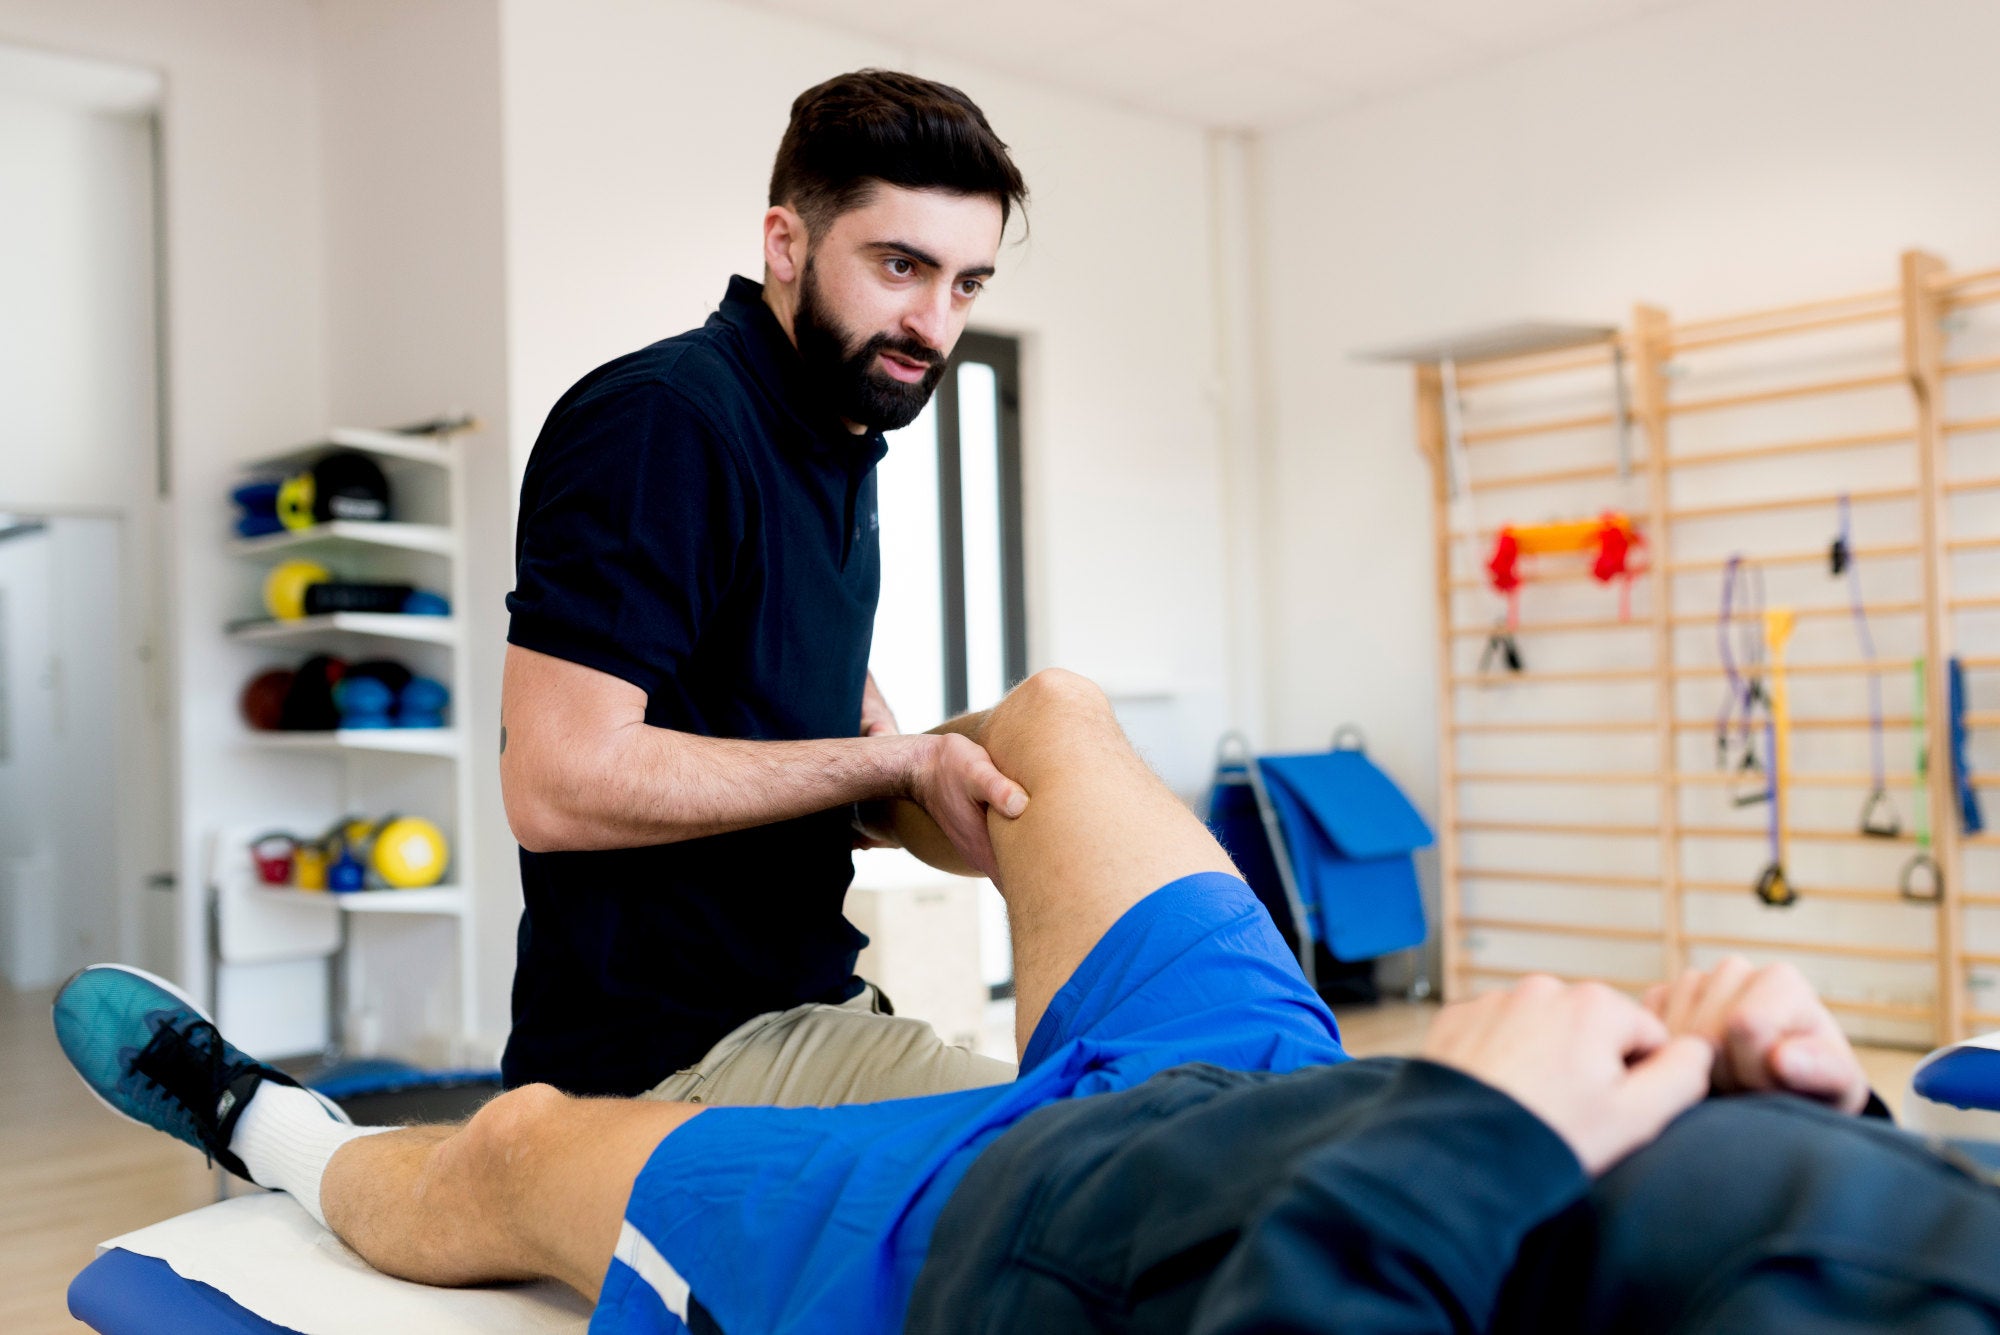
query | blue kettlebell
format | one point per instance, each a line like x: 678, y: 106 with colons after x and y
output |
x: 346, y: 873
x: 422, y: 704
x: 363, y: 702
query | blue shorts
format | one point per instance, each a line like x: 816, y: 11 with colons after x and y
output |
x: 818, y: 1219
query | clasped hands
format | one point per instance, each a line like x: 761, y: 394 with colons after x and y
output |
x: 1607, y: 1073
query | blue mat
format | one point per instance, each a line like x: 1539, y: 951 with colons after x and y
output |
x: 124, y: 1293
x: 1350, y: 833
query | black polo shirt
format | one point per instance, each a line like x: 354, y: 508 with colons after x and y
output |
x: 691, y: 522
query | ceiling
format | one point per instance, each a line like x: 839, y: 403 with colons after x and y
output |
x: 1254, y: 64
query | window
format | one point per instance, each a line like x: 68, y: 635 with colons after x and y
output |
x: 951, y: 630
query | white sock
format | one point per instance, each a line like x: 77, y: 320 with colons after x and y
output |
x: 286, y: 1137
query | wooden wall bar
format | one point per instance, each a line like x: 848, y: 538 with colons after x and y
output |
x: 1540, y: 448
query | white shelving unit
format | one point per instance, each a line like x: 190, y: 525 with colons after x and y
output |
x: 427, y: 481
x: 440, y: 742
x: 446, y: 900
x: 437, y: 539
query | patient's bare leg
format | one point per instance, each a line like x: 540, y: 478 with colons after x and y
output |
x: 536, y: 1184
x: 533, y: 1186
x: 1100, y: 833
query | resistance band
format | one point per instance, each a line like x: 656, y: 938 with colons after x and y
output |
x: 1922, y: 880
x: 1878, y: 815
x: 1970, y: 819
x: 1743, y: 665
x: 1774, y: 887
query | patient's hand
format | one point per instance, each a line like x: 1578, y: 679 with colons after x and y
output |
x: 1599, y: 1068
x: 1769, y: 1029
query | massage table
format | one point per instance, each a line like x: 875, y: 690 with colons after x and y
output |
x: 259, y: 1263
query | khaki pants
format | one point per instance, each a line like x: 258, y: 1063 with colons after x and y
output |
x: 821, y: 1055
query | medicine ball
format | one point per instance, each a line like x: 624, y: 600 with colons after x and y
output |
x: 263, y: 699
x: 285, y: 587
x: 410, y: 852
x: 346, y: 485
x: 309, y: 704
x: 340, y: 595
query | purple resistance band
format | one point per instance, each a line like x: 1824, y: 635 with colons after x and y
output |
x: 1743, y: 691
x: 1877, y: 772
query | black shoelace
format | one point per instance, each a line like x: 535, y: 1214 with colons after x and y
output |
x: 187, y: 1067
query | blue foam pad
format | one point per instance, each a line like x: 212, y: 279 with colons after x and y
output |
x: 383, y: 1075
x: 1360, y: 808
x: 124, y: 1293
x: 1350, y: 832
x: 1967, y: 1077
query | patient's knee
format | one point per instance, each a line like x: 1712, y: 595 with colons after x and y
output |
x: 504, y: 1134
x: 1058, y: 690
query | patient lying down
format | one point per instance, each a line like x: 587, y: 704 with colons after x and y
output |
x: 1187, y: 1147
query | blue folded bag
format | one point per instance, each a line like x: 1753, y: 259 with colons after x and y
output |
x: 1350, y: 832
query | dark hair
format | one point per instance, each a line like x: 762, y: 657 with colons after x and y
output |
x: 856, y: 131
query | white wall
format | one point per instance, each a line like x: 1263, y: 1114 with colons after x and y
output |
x: 417, y: 317
x: 1711, y: 158
x: 635, y: 181
x: 76, y: 349
x: 245, y: 351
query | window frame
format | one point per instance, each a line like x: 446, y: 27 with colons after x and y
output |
x: 1002, y: 353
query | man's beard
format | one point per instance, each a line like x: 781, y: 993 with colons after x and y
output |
x: 846, y: 377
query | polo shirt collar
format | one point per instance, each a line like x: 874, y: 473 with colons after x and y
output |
x: 777, y: 365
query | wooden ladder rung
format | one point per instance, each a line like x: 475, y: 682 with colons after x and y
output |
x: 1857, y: 950
x: 1797, y: 836
x: 1561, y: 878
x: 1584, y: 777
x: 1650, y: 935
x: 1583, y: 830
x: 1782, y: 449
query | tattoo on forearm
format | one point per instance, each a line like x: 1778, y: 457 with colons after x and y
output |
x: 503, y: 739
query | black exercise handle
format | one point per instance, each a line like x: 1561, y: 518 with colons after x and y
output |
x: 1878, y: 819
x: 1918, y: 868
x: 1774, y: 889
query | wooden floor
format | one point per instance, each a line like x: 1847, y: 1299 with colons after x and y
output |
x: 72, y: 1175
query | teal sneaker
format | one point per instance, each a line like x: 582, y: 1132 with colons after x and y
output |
x: 150, y: 1055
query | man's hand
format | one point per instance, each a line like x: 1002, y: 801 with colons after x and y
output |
x: 1600, y: 1069
x: 876, y: 718
x: 954, y: 780
x: 1769, y: 1030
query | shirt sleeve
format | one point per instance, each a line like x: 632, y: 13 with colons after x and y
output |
x: 633, y: 519
x: 1408, y: 1223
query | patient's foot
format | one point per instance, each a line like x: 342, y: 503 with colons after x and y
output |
x: 150, y: 1055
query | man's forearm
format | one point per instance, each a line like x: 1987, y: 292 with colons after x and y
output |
x: 644, y: 785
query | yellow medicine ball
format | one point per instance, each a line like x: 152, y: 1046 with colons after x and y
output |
x: 285, y: 587
x: 410, y: 852
x: 295, y: 501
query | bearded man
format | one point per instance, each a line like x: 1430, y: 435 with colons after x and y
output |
x: 691, y: 743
